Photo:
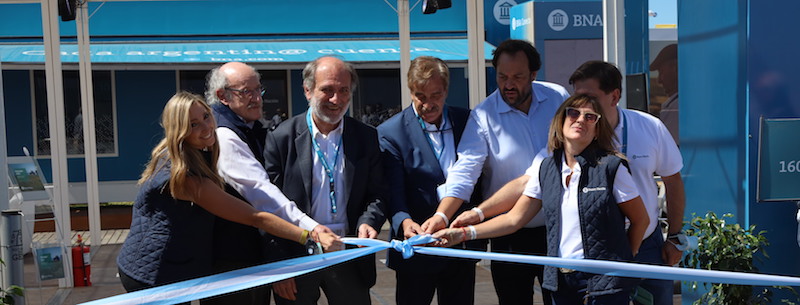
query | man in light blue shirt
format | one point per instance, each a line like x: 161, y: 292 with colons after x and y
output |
x: 502, y: 136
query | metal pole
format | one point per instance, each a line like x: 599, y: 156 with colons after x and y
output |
x: 58, y: 137
x: 89, y: 134
x: 476, y: 62
x: 614, y: 39
x: 11, y: 235
x: 404, y: 31
x: 4, y: 204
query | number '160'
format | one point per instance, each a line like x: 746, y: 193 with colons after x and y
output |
x: 791, y: 167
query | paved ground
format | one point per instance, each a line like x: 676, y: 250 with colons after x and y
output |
x: 105, y: 282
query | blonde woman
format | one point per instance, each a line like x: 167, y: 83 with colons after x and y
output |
x: 180, y: 192
x: 586, y: 193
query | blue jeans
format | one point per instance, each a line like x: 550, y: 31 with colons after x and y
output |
x: 572, y: 291
x: 650, y: 253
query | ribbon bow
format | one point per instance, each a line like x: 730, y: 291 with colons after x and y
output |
x: 406, y: 247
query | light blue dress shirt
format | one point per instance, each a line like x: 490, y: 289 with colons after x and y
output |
x: 502, y: 141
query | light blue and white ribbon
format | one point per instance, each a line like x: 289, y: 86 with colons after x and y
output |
x: 604, y: 267
x: 236, y: 280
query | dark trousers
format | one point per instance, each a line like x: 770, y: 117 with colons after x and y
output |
x: 650, y: 253
x: 455, y: 285
x: 254, y: 296
x: 572, y: 291
x: 342, y: 284
x: 513, y: 282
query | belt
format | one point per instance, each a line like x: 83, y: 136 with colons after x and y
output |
x: 566, y: 270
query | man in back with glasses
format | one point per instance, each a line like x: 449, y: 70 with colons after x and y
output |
x: 235, y: 93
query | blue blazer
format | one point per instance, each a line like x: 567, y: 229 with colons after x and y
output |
x: 412, y: 173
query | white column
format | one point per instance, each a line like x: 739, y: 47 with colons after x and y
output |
x: 89, y: 134
x: 4, y: 205
x: 614, y: 39
x: 476, y: 64
x: 404, y: 30
x: 58, y: 137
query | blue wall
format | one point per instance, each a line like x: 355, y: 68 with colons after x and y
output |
x: 773, y: 93
x: 253, y: 17
x: 141, y: 96
x: 734, y: 68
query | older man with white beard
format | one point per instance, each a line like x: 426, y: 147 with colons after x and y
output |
x: 330, y: 166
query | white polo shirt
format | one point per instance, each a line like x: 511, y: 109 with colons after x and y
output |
x: 651, y: 151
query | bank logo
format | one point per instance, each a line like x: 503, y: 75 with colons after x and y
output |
x: 558, y: 20
x: 502, y: 11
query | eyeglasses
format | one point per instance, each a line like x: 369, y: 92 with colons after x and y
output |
x: 589, y: 116
x: 247, y: 93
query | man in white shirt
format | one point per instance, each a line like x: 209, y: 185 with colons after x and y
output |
x: 500, y: 140
x: 650, y: 150
x: 329, y: 164
x: 234, y: 92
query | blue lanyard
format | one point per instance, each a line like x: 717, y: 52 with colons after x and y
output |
x: 328, y: 169
x: 624, y: 135
x: 441, y: 134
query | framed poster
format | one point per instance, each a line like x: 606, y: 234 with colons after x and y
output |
x: 49, y: 262
x: 25, y: 173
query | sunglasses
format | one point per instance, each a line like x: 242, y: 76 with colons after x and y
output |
x: 589, y: 116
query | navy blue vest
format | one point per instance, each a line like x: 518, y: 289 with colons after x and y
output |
x: 254, y: 137
x: 235, y: 242
x: 602, y: 222
x: 168, y: 241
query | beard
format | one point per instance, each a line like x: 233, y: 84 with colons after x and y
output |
x: 521, y: 98
x: 324, y: 114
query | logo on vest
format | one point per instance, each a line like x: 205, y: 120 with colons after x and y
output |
x: 634, y: 157
x: 593, y: 189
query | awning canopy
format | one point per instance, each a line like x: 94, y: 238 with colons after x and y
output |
x: 262, y: 51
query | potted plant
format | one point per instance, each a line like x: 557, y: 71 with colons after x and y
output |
x: 727, y: 247
x: 7, y: 294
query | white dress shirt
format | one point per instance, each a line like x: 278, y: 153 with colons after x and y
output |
x: 571, y: 244
x: 442, y: 142
x: 320, y: 188
x: 239, y: 167
x: 501, y: 141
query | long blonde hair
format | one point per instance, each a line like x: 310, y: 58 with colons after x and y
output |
x: 185, y: 161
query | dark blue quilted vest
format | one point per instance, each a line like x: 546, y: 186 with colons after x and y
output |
x: 254, y: 137
x: 168, y: 241
x: 235, y: 242
x: 602, y: 222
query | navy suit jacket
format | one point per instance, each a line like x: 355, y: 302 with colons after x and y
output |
x: 288, y: 159
x: 413, y: 173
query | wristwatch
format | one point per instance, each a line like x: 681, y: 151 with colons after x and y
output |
x: 313, y: 247
x: 678, y: 240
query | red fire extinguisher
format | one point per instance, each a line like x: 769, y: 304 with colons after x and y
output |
x: 81, y: 265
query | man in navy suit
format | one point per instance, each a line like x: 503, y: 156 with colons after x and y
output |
x: 419, y: 146
x: 329, y: 165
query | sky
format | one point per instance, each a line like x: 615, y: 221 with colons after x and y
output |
x: 666, y: 12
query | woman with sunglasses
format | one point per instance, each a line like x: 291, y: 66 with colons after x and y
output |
x: 180, y: 192
x: 586, y: 193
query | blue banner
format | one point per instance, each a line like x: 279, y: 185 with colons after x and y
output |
x: 220, y: 52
